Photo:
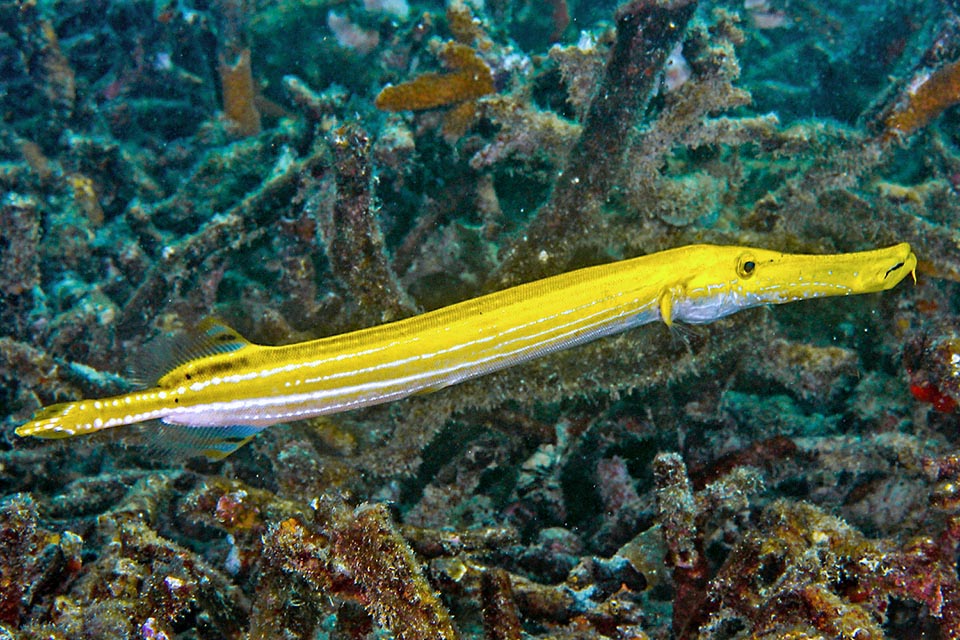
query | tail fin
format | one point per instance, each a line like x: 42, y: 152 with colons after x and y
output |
x: 211, y: 338
x: 54, y: 421
x: 74, y: 418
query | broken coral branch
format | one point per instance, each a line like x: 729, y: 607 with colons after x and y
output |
x: 359, y: 554
x: 926, y: 98
x: 646, y: 32
x: 469, y: 79
x: 784, y: 573
x: 933, y: 86
x: 239, y: 94
x: 677, y: 514
x: 352, y: 234
x: 230, y: 231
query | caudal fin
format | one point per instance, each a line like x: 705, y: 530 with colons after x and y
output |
x: 55, y: 421
x: 211, y: 338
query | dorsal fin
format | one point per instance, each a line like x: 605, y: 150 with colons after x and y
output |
x: 163, y: 355
x: 211, y: 336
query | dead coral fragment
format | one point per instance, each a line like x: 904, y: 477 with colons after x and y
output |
x: 526, y: 134
x: 944, y: 472
x: 682, y: 515
x: 360, y: 555
x: 646, y: 32
x: 352, y: 233
x: 35, y: 563
x: 239, y: 94
x: 501, y: 619
x: 677, y: 512
x: 811, y: 373
x: 470, y: 79
x: 61, y: 85
x: 927, y: 96
x: 580, y: 65
x: 385, y: 568
x: 932, y: 363
x: 804, y: 567
x: 86, y: 198
x: 19, y: 257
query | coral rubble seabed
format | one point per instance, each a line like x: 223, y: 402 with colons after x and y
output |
x: 305, y: 168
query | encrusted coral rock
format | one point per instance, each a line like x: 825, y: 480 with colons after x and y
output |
x: 35, y: 564
x: 239, y: 94
x: 928, y: 95
x: 469, y: 79
x: 19, y: 257
x: 813, y: 374
x: 933, y: 363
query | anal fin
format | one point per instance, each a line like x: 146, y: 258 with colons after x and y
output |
x: 215, y: 443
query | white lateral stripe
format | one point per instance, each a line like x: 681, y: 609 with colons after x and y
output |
x: 325, y: 401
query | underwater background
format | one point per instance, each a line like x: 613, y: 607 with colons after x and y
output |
x: 301, y: 168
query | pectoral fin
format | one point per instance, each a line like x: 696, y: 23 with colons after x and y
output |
x: 666, y: 307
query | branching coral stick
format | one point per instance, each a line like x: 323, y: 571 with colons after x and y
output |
x: 932, y: 87
x: 352, y: 235
x: 239, y: 225
x: 926, y: 98
x: 646, y: 32
x: 783, y: 574
x: 469, y: 79
x: 239, y: 94
x: 500, y: 617
x: 677, y: 510
x: 360, y: 555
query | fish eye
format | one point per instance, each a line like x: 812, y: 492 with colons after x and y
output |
x: 746, y: 266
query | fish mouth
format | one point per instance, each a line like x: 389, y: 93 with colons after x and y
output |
x: 906, y: 264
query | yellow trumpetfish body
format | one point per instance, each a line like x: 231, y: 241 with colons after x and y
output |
x: 229, y: 389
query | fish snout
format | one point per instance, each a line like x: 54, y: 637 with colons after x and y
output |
x: 903, y: 262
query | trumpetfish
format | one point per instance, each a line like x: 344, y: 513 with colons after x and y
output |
x: 225, y: 389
